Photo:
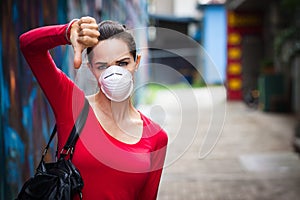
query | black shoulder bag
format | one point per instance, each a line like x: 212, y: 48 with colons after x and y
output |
x: 57, y: 180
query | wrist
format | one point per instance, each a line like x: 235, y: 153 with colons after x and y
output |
x: 68, y: 30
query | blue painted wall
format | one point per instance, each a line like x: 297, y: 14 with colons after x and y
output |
x: 25, y: 115
x: 214, y: 42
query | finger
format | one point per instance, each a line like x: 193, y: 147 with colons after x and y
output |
x: 87, y: 41
x: 88, y: 32
x: 87, y: 20
x: 92, y: 26
x: 77, y: 58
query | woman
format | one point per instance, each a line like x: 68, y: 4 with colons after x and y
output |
x: 120, y: 152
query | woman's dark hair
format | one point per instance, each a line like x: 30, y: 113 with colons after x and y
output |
x: 113, y: 30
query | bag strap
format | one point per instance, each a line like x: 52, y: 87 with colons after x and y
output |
x: 76, y: 130
x: 74, y: 135
x: 50, y: 140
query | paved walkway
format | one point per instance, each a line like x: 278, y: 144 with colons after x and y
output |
x: 252, y: 159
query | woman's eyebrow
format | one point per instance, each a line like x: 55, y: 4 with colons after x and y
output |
x: 123, y: 59
x: 101, y: 63
x: 105, y: 63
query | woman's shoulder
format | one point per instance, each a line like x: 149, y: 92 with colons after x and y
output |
x: 152, y: 129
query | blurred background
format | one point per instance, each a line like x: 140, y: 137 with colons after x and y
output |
x: 253, y: 48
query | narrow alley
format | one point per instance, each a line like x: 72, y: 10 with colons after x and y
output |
x: 253, y: 158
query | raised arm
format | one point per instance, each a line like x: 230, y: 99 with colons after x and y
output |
x: 35, y: 45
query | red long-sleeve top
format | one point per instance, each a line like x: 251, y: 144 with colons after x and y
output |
x: 110, y: 168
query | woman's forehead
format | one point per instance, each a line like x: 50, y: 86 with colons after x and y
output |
x: 110, y: 50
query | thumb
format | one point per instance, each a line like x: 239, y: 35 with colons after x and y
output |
x: 77, y: 57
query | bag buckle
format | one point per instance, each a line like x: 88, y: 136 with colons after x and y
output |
x: 67, y: 151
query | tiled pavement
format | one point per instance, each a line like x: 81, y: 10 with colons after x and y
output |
x: 252, y: 160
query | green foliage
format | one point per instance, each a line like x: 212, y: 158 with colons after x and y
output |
x: 290, y: 4
x: 152, y: 90
x: 285, y: 35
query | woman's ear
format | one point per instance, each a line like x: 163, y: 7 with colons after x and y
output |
x: 89, y: 65
x: 137, y: 61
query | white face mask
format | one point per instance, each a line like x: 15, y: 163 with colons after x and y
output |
x: 116, y: 83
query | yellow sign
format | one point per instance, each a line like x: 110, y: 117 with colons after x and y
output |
x: 242, y: 19
x: 234, y: 38
x: 234, y: 68
x: 235, y: 84
x: 234, y: 53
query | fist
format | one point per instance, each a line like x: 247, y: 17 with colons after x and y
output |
x: 84, y: 33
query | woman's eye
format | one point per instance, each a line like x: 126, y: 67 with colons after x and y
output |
x: 102, y: 67
x: 123, y: 63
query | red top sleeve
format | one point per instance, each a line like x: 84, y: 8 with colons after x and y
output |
x: 58, y: 88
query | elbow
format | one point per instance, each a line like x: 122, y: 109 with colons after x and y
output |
x: 26, y: 42
x: 22, y: 41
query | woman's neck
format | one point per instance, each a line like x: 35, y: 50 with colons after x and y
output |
x: 120, y: 120
x: 117, y: 111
